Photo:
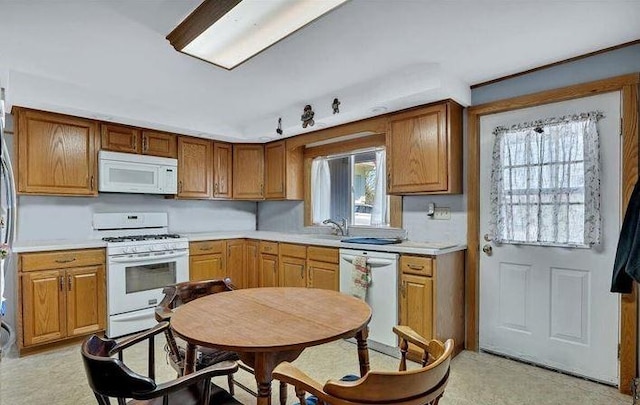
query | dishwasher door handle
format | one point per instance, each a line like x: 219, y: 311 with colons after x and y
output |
x: 373, y: 262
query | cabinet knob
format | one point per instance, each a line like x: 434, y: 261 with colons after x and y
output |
x: 145, y: 143
x: 69, y: 282
x: 61, y: 280
x: 69, y: 260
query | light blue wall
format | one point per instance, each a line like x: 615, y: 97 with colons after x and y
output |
x: 613, y: 63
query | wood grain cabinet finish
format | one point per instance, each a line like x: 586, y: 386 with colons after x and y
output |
x: 119, y: 138
x: 268, y: 266
x: 236, y: 269
x: 292, y: 262
x: 323, y: 270
x: 248, y: 172
x: 195, y: 163
x: 252, y: 263
x: 207, y: 260
x: 57, y: 154
x: 64, y: 301
x: 159, y: 144
x: 431, y: 297
x: 222, y: 170
x: 283, y: 172
x: 424, y: 149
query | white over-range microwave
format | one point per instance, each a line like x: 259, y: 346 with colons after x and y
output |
x: 131, y: 173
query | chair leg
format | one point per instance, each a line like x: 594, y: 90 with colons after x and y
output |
x: 231, y: 384
x: 283, y: 393
x: 300, y: 395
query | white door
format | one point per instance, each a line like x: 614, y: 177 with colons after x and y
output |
x: 552, y: 305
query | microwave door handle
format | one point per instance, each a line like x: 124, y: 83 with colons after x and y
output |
x: 146, y: 258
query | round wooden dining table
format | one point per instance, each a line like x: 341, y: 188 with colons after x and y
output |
x: 267, y: 326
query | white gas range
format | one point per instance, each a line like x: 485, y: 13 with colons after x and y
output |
x: 142, y: 258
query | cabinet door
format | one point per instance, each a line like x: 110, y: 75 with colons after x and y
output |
x: 268, y: 270
x: 292, y: 272
x: 248, y: 172
x: 324, y: 275
x: 56, y: 154
x: 252, y: 264
x: 416, y: 304
x: 417, y: 151
x: 207, y: 267
x: 222, y: 170
x: 195, y: 166
x: 235, y: 263
x: 119, y: 138
x: 274, y: 170
x: 43, y: 306
x: 159, y: 144
x: 85, y: 300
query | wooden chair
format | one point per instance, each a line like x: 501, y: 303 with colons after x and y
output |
x: 109, y: 377
x: 421, y: 386
x: 181, y: 293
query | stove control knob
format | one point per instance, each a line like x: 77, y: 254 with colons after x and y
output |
x: 134, y: 249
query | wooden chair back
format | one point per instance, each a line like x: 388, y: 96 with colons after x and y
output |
x: 421, y: 386
x: 108, y: 376
x: 181, y: 293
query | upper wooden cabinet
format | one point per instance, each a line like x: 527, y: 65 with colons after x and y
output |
x: 283, y: 172
x: 195, y: 163
x: 57, y: 154
x: 248, y: 172
x: 424, y: 150
x: 119, y: 138
x: 222, y: 170
x: 159, y: 144
x: 122, y: 138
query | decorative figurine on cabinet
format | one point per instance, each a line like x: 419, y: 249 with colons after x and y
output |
x: 336, y: 106
x: 279, y: 129
x: 307, y: 116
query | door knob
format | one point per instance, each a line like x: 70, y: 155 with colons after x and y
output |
x: 487, y: 249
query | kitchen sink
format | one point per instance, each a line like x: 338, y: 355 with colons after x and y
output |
x: 372, y: 241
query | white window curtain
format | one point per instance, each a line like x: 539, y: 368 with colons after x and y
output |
x: 379, y: 206
x: 320, y: 190
x: 545, y: 182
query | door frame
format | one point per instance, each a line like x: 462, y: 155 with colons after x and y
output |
x: 628, y: 86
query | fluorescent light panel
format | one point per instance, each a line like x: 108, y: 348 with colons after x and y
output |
x: 252, y: 26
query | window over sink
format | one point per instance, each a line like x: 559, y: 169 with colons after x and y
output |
x: 352, y: 186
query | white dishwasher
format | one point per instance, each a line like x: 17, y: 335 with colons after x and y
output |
x: 382, y: 295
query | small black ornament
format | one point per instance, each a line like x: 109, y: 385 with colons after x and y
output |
x: 336, y: 106
x: 279, y: 129
x: 307, y: 116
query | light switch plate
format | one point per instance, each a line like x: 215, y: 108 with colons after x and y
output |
x: 442, y: 213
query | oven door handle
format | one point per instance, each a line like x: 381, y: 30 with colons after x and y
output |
x: 150, y: 257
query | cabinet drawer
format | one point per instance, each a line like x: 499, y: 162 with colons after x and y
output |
x: 269, y: 247
x: 61, y: 259
x: 416, y: 265
x: 290, y: 250
x: 206, y: 247
x: 321, y: 254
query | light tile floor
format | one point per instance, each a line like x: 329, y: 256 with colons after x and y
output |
x: 58, y: 378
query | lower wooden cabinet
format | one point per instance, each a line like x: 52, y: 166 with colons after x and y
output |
x: 236, y: 269
x: 431, y: 297
x: 268, y: 266
x: 252, y: 263
x: 292, y: 265
x: 62, y: 295
x: 323, y: 270
x: 207, y: 260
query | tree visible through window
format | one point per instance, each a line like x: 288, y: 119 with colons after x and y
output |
x: 545, y: 182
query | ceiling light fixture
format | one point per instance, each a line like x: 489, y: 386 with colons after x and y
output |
x: 228, y: 32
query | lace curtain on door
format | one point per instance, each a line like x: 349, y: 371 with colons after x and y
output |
x: 545, y: 182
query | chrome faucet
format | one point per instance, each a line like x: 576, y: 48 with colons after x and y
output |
x: 343, y: 227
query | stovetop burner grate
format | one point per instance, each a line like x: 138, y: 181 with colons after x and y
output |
x: 137, y: 238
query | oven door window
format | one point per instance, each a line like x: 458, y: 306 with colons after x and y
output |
x: 149, y: 276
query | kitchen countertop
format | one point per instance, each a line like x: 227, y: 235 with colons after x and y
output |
x: 421, y: 248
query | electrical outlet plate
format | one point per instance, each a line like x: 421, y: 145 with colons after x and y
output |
x: 442, y: 213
